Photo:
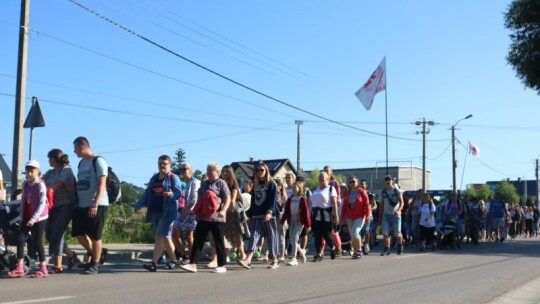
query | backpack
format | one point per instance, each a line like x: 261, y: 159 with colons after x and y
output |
x: 112, y: 184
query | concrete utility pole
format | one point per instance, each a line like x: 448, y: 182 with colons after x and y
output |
x: 454, y: 163
x: 298, y: 124
x: 20, y: 96
x: 423, y: 122
x: 537, y: 188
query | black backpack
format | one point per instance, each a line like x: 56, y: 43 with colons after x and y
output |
x: 112, y: 184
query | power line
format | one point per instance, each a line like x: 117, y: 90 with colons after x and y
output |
x: 142, y: 101
x: 231, y: 41
x: 160, y: 74
x: 217, y: 73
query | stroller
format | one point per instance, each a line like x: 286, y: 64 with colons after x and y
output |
x: 346, y: 243
x: 449, y: 234
x: 10, y: 224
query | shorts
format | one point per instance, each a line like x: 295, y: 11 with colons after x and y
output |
x: 163, y: 227
x: 355, y: 226
x: 91, y: 227
x: 187, y: 224
x: 389, y: 220
x: 304, y: 232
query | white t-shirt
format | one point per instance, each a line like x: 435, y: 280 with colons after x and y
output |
x: 425, y: 211
x: 321, y: 198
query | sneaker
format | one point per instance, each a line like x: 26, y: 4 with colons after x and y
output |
x: 386, y: 251
x: 171, y: 265
x: 212, y: 265
x: 189, y: 268
x: 273, y: 265
x: 317, y: 258
x: 103, y: 257
x: 292, y: 262
x: 281, y: 260
x: 333, y: 253
x: 243, y: 263
x: 220, y: 270
x: 303, y: 255
x: 94, y: 269
x: 150, y: 266
x: 84, y: 265
x: 400, y: 250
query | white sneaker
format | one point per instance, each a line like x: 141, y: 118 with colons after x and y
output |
x: 189, y: 268
x: 303, y: 253
x: 292, y: 262
x: 220, y: 270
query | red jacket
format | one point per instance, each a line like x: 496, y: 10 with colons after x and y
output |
x: 303, y: 214
x: 361, y: 207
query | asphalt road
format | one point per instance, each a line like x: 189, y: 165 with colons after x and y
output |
x: 474, y: 274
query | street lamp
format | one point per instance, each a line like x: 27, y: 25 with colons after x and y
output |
x: 454, y: 163
x: 423, y: 122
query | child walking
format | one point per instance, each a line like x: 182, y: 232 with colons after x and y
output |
x: 34, y: 214
x: 296, y: 214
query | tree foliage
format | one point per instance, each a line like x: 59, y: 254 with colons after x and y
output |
x: 178, y: 160
x: 523, y: 20
x: 507, y: 192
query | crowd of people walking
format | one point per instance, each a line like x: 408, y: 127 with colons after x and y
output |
x: 265, y: 219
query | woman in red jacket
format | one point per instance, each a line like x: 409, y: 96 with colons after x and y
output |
x: 355, y: 211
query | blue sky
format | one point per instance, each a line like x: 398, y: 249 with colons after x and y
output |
x: 134, y: 101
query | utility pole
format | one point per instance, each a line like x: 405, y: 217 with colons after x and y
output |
x: 454, y: 162
x: 537, y: 190
x: 423, y: 122
x: 20, y: 96
x: 298, y: 124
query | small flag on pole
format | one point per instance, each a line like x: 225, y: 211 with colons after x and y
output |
x: 375, y: 84
x: 473, y: 149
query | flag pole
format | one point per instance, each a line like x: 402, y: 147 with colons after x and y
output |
x: 463, y: 173
x: 386, y: 111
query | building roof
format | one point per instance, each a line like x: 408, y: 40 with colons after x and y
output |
x: 6, y: 172
x: 273, y: 165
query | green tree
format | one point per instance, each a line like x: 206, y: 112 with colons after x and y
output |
x: 523, y: 20
x: 179, y: 159
x: 507, y: 192
x: 483, y: 192
x: 130, y: 193
x: 313, y: 179
x: 198, y: 173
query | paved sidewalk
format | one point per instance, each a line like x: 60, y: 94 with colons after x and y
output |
x: 119, y: 253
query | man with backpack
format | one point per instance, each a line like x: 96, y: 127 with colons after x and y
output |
x: 89, y: 216
x: 390, y: 215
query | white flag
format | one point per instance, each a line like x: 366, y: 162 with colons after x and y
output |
x: 375, y: 84
x: 473, y: 149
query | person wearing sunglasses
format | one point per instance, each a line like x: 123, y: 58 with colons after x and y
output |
x: 263, y: 216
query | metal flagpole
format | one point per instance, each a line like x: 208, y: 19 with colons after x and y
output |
x: 463, y: 173
x: 386, y: 111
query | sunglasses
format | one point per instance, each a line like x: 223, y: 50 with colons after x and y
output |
x: 352, y: 182
x: 260, y: 170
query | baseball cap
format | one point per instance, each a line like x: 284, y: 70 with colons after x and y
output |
x: 388, y: 177
x: 32, y: 163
